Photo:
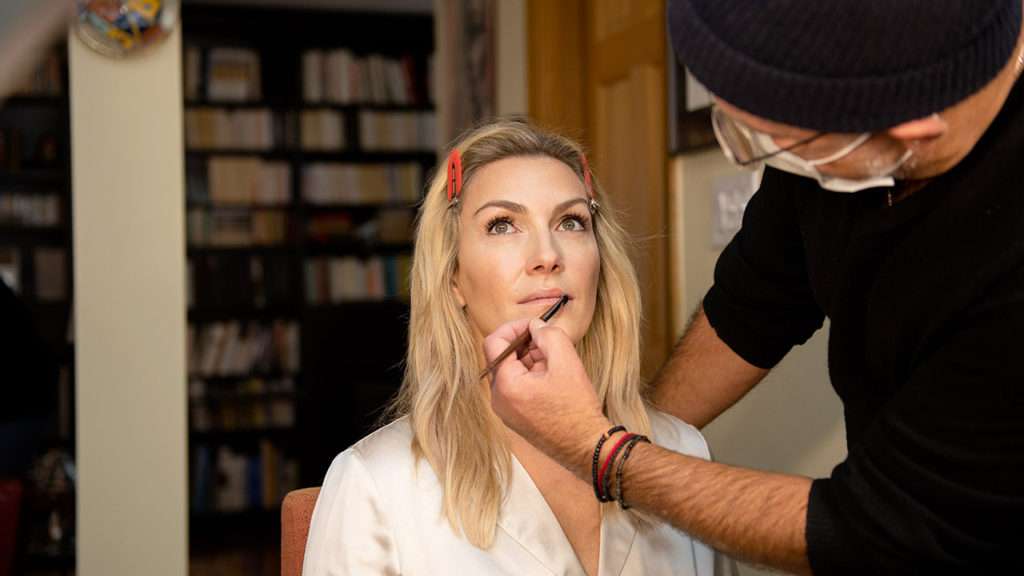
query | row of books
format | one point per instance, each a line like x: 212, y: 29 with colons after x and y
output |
x: 243, y: 129
x: 240, y: 280
x: 50, y: 264
x: 269, y: 405
x: 235, y: 348
x: 226, y: 480
x: 241, y: 389
x: 339, y: 76
x: 239, y: 181
x: 397, y: 131
x: 334, y: 280
x: 231, y: 75
x: 29, y: 210
x: 234, y: 228
x: 261, y: 129
x: 391, y: 226
x: 321, y: 130
x: 336, y: 183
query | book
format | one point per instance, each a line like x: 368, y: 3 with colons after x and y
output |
x: 313, y: 75
x: 233, y: 74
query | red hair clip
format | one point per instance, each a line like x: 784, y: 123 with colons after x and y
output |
x: 587, y: 182
x: 586, y: 175
x: 454, y: 176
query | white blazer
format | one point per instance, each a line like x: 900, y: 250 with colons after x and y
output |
x: 379, y: 512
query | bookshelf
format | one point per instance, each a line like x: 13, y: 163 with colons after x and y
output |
x: 36, y: 263
x: 309, y: 137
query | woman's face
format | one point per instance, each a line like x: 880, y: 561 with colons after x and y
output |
x: 526, y: 238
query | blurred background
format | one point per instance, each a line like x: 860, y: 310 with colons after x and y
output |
x: 206, y: 212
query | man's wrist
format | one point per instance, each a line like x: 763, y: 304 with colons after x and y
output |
x: 583, y: 455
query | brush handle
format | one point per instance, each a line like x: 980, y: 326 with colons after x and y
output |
x: 524, y: 339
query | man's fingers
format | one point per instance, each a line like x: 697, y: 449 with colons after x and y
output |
x: 534, y: 359
x: 550, y: 340
x: 502, y: 337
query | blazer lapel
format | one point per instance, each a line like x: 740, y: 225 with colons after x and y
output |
x: 526, y: 517
x: 617, y: 537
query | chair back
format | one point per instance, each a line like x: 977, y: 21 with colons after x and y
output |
x: 296, y: 512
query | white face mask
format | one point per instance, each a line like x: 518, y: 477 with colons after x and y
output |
x: 789, y: 162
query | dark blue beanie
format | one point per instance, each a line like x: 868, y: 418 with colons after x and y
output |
x: 844, y: 65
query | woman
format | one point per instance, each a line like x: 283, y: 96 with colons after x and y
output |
x: 515, y: 223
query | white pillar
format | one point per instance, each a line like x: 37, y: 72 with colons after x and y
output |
x: 129, y: 267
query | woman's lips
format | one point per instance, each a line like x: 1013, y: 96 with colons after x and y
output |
x: 544, y: 296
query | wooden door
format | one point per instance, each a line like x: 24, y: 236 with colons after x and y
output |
x: 615, y: 50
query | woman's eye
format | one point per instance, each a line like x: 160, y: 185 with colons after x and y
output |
x: 573, y: 224
x: 500, y: 225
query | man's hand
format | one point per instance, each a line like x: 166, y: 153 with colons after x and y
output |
x: 545, y: 395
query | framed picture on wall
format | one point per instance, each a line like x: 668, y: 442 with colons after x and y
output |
x: 689, y: 110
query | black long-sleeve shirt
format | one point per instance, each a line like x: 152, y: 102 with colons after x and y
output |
x: 926, y: 304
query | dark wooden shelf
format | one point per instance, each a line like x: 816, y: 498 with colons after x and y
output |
x: 238, y: 434
x: 347, y: 155
x: 213, y: 531
x: 341, y: 107
x: 213, y: 206
x: 351, y: 207
x: 242, y: 313
x: 236, y: 515
x: 269, y: 154
x: 48, y: 235
x: 43, y: 563
x: 25, y: 100
x: 250, y: 249
x: 369, y: 156
x: 345, y: 247
x: 360, y: 303
x: 241, y: 397
x: 219, y: 380
x: 236, y: 104
x: 32, y: 179
x: 368, y: 107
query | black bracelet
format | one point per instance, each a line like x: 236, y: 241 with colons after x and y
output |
x: 622, y: 464
x: 606, y: 482
x: 597, y: 457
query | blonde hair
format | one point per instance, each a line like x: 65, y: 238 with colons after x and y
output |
x: 453, y: 426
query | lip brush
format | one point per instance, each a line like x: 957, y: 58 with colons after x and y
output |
x: 524, y: 339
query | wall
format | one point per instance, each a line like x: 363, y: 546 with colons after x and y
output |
x: 792, y: 421
x: 511, y: 58
x: 128, y: 227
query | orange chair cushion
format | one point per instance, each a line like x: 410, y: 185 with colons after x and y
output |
x: 296, y: 511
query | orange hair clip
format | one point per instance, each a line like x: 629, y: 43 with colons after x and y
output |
x: 454, y: 176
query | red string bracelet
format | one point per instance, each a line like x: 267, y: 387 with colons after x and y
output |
x: 604, y: 467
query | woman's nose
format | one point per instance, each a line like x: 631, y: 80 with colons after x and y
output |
x: 545, y: 256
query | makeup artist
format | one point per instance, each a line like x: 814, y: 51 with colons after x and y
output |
x: 893, y: 204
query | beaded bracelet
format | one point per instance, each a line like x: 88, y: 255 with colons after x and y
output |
x: 597, y: 456
x: 636, y: 439
x: 605, y: 476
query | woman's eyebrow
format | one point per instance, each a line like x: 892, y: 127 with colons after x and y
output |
x: 565, y: 205
x: 506, y: 204
x: 520, y: 209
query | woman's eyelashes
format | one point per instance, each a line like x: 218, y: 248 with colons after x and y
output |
x: 500, y: 225
x: 504, y: 224
x: 575, y: 222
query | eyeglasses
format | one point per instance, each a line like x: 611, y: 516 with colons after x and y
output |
x: 739, y: 144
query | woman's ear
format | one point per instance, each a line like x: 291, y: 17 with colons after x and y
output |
x: 458, y: 293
